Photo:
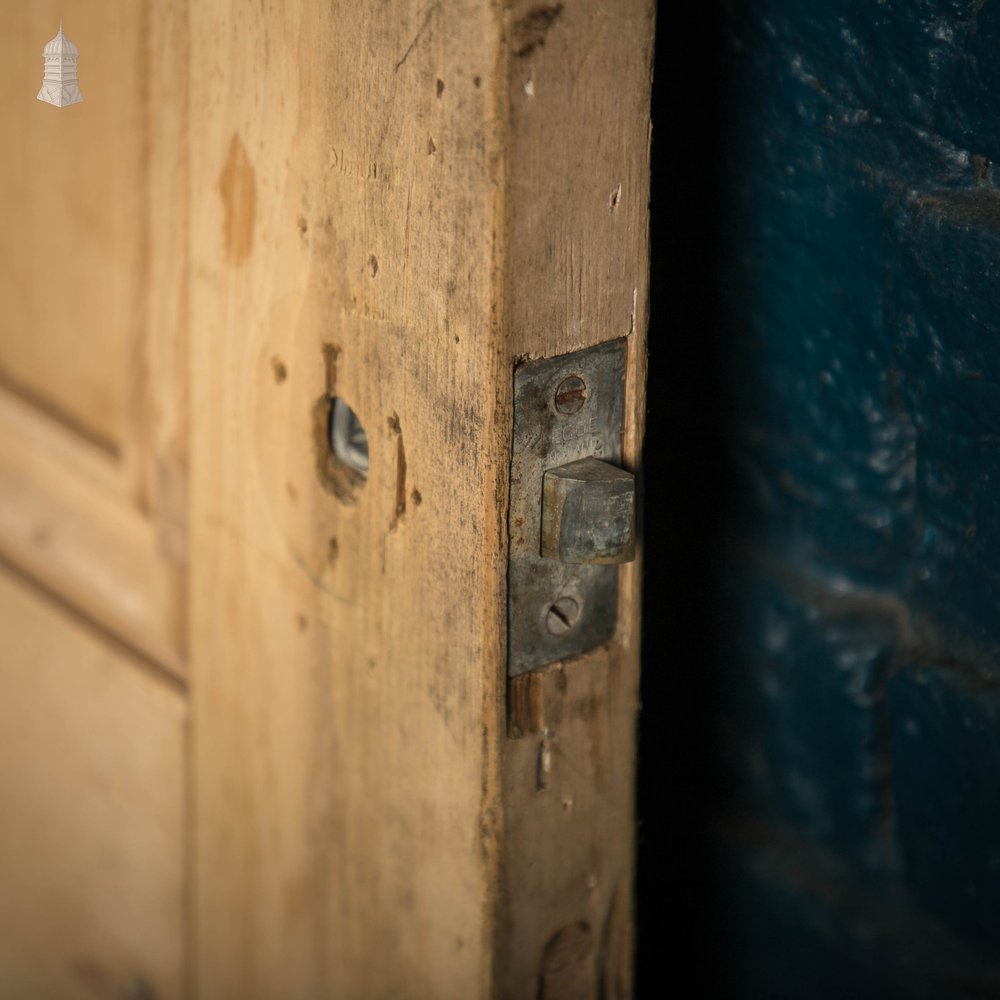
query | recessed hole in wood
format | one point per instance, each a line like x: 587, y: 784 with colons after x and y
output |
x: 348, y: 439
x: 341, y: 448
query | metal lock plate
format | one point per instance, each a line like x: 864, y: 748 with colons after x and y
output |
x: 567, y: 409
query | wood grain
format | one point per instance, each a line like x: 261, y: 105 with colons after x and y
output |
x: 71, y: 188
x: 65, y: 525
x: 92, y: 837
x: 395, y: 210
x: 93, y: 277
x: 347, y: 655
x: 578, y: 176
x: 577, y: 255
x: 155, y: 450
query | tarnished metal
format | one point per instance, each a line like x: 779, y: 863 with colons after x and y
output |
x: 348, y: 439
x: 566, y: 409
x: 588, y: 513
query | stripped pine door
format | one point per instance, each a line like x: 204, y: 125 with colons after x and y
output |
x: 256, y: 733
x: 93, y: 507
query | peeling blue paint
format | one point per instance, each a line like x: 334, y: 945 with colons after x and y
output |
x: 864, y: 712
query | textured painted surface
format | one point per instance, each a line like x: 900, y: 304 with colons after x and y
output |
x: 863, y: 721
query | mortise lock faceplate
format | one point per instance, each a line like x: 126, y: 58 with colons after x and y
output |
x: 572, y: 509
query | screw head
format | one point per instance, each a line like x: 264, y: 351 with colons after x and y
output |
x: 562, y: 616
x: 571, y: 394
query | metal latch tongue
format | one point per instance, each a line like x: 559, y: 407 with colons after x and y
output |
x: 572, y: 509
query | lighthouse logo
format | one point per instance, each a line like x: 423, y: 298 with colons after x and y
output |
x: 60, y: 86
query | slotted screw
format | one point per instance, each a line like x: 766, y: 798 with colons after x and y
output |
x: 571, y: 394
x: 562, y: 616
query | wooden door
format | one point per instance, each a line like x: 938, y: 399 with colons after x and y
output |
x: 93, y: 507
x: 256, y: 733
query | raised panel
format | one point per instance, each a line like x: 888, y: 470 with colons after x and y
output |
x: 92, y: 829
x: 74, y: 239
x: 93, y: 278
x: 63, y: 527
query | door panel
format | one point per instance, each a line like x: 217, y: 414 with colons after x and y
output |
x: 71, y: 187
x: 92, y: 282
x: 93, y: 506
x: 351, y: 679
x: 92, y: 830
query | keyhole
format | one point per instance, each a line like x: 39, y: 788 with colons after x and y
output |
x: 348, y: 440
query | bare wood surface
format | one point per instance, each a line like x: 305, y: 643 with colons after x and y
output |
x: 63, y: 526
x: 577, y: 253
x: 92, y: 835
x: 346, y: 643
x: 579, y: 78
x: 93, y: 366
x: 155, y: 447
x: 71, y: 190
x: 395, y: 211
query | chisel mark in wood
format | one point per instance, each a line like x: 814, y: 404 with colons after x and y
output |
x: 311, y: 576
x: 489, y: 822
x: 92, y: 975
x: 416, y: 38
x: 330, y: 354
x: 373, y: 265
x: 615, y: 953
x: 102, y: 982
x: 484, y: 778
x: 530, y: 30
x: 400, y: 508
x: 567, y: 968
x: 525, y: 705
x: 439, y: 87
x: 238, y: 190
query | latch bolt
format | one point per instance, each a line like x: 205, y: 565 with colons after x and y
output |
x: 588, y: 513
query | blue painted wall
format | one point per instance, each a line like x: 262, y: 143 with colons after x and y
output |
x: 860, y: 724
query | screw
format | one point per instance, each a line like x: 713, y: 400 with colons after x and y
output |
x: 562, y: 616
x: 571, y: 394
